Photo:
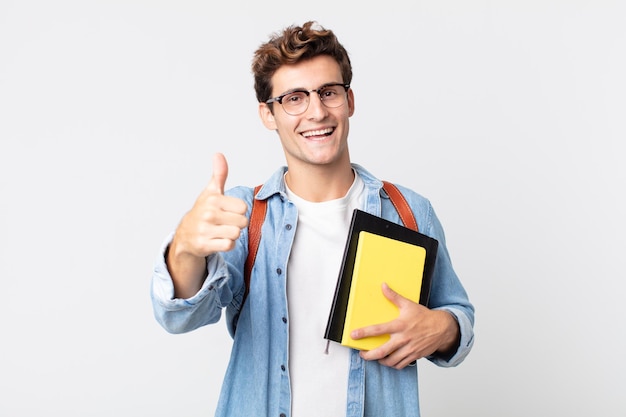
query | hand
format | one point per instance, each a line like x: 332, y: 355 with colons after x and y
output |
x: 417, y: 332
x: 212, y: 225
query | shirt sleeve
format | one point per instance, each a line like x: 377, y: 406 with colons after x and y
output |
x: 449, y: 294
x: 466, y: 341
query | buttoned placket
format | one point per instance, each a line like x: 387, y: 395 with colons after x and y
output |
x: 286, y: 237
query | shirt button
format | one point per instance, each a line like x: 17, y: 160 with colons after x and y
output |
x: 282, y: 368
x: 283, y: 415
x: 288, y: 227
x: 279, y: 271
x: 284, y: 319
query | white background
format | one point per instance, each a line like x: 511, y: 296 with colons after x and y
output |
x: 509, y: 116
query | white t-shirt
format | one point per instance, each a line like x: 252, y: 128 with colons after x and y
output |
x: 318, y: 379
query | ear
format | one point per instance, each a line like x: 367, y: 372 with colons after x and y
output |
x: 266, y: 116
x: 350, y: 102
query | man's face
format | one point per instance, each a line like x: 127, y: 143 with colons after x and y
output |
x: 319, y: 136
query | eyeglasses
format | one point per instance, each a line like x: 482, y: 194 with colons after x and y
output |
x: 296, y: 102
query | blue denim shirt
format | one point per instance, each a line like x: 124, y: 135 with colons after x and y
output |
x: 257, y: 378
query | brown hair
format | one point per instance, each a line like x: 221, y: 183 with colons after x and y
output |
x: 296, y: 44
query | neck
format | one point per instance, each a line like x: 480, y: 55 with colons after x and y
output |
x: 318, y: 183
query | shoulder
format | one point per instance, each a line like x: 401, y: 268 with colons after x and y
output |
x: 372, y: 181
x: 242, y: 192
x: 420, y: 206
x: 274, y: 185
x: 415, y: 199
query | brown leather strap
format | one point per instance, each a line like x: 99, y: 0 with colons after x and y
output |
x: 257, y: 216
x: 401, y: 205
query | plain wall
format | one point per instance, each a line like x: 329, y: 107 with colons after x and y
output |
x: 509, y: 116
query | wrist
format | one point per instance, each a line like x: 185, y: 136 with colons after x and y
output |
x: 187, y: 271
x: 451, y: 336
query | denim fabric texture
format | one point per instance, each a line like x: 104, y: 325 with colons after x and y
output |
x: 257, y: 378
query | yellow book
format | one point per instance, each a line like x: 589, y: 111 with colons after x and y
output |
x: 380, y: 259
x: 378, y: 250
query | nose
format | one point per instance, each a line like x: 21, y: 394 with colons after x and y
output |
x: 316, y: 110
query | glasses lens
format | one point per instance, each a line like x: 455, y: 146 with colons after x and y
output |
x: 296, y: 102
x: 333, y: 95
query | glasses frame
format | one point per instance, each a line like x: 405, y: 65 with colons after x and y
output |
x: 279, y: 99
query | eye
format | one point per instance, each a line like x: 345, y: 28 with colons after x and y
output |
x: 329, y: 93
x: 295, y: 98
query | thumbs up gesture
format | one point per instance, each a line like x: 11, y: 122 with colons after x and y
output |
x: 212, y: 225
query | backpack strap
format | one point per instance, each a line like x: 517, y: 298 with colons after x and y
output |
x: 257, y: 217
x: 401, y: 205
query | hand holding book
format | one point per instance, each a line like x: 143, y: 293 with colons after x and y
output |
x: 417, y: 332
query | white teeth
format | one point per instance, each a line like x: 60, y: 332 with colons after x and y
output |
x: 317, y: 132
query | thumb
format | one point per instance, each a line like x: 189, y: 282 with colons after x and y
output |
x: 220, y: 173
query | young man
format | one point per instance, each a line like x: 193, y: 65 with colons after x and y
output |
x: 278, y: 365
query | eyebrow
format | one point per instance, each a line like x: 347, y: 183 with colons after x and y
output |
x: 294, y: 90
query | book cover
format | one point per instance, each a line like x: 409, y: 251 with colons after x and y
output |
x: 380, y: 259
x: 378, y: 251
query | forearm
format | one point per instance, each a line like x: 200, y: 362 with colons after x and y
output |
x: 188, y: 272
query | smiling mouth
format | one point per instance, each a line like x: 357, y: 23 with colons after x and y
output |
x: 311, y: 134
